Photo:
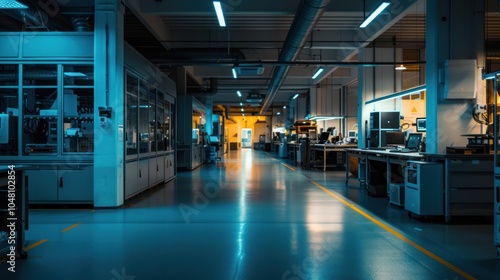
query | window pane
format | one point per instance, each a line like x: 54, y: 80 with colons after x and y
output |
x: 81, y: 75
x: 39, y: 75
x: 9, y: 75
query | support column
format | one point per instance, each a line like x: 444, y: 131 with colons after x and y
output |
x: 209, y: 104
x: 109, y: 79
x: 455, y: 30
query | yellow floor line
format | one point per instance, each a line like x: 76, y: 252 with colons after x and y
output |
x: 395, y: 233
x: 35, y: 244
x: 71, y: 227
x: 288, y: 166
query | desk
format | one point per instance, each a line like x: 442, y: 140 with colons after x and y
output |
x: 330, y: 148
x: 378, y: 155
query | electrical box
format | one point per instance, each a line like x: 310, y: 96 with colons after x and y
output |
x: 460, y: 79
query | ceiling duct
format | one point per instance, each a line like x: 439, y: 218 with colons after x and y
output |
x: 197, y: 54
x: 308, y: 14
x: 81, y: 24
x: 227, y: 110
x: 212, y: 90
x: 254, y: 97
x: 31, y: 18
x: 249, y: 70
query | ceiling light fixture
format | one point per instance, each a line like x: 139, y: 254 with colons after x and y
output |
x: 318, y: 71
x: 11, y: 4
x: 220, y: 15
x: 402, y: 93
x: 234, y: 73
x: 400, y: 67
x: 374, y: 14
x: 295, y: 96
x: 284, y: 107
x: 325, y: 118
x: 239, y: 93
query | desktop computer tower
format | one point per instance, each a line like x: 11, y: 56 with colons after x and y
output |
x: 385, y: 120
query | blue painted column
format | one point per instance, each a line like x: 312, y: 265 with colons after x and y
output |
x: 109, y: 79
x: 209, y: 104
x: 455, y: 31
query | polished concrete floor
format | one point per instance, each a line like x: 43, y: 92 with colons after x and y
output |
x: 252, y: 216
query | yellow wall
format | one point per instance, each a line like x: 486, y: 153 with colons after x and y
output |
x: 234, y: 129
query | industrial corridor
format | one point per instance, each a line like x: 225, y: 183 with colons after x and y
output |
x: 252, y: 216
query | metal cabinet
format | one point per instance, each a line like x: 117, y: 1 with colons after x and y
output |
x: 131, y: 178
x: 424, y: 188
x: 62, y: 184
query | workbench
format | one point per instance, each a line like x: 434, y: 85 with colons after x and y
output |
x: 468, y: 179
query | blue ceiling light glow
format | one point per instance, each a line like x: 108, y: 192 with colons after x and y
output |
x: 11, y: 4
x: 373, y: 15
x: 317, y: 73
x: 220, y: 14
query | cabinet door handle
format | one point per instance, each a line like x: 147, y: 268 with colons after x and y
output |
x: 60, y: 182
x: 140, y: 173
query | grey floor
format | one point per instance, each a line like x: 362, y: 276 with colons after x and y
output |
x: 252, y: 216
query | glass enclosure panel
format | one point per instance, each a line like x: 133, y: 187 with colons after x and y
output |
x: 78, y: 117
x: 171, y: 125
x: 9, y: 74
x: 9, y: 121
x: 152, y: 118
x: 39, y: 75
x: 40, y: 121
x: 160, y: 117
x: 495, y: 86
x: 78, y: 75
x: 143, y: 118
x: 166, y: 124
x: 131, y: 135
x: 132, y: 103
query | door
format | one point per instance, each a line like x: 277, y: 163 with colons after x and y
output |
x: 246, y: 138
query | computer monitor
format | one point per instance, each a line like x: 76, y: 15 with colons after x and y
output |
x: 394, y: 138
x: 323, y: 137
x: 421, y: 124
x: 413, y: 141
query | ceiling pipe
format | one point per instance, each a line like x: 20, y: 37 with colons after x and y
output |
x: 308, y: 14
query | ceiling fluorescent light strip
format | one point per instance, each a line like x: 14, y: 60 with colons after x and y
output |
x: 397, y: 94
x: 239, y: 93
x: 295, y: 96
x: 325, y: 118
x: 11, y: 4
x: 373, y: 15
x: 220, y: 15
x: 234, y: 73
x: 317, y: 73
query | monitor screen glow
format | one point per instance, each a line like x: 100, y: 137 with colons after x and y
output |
x: 421, y: 124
